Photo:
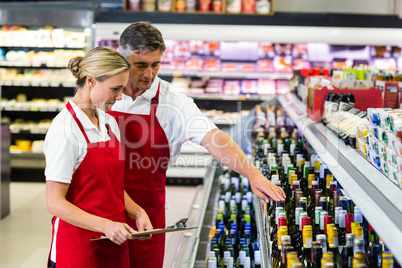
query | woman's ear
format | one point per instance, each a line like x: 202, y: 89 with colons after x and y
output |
x: 91, y: 81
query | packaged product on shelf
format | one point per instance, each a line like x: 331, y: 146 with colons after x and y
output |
x: 212, y: 65
x: 248, y: 86
x: 214, y: 86
x: 265, y: 66
x: 262, y: 6
x: 233, y: 6
x: 231, y: 87
x: 248, y: 6
x: 134, y: 4
x: 194, y: 64
x: 217, y: 6
x: 266, y: 87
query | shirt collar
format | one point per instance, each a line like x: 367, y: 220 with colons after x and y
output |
x: 83, y: 118
x: 151, y: 92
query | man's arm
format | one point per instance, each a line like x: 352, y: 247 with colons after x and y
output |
x: 226, y: 150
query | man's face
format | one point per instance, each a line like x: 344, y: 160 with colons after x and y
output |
x: 144, y: 68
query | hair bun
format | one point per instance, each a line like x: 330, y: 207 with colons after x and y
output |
x: 74, y: 66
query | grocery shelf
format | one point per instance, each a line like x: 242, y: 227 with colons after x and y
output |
x: 31, y: 64
x: 379, y: 199
x: 38, y: 109
x: 41, y: 45
x: 220, y: 74
x: 37, y: 84
x: 230, y: 97
x: 27, y: 160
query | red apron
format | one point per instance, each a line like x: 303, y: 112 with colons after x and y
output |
x: 147, y: 154
x: 97, y: 187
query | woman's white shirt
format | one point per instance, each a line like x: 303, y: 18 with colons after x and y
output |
x: 65, y: 145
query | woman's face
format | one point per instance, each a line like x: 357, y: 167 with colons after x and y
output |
x: 104, y: 94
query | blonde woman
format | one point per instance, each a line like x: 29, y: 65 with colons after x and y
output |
x: 84, y: 169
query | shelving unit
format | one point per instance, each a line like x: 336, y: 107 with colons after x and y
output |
x: 378, y: 198
x: 228, y: 74
x: 33, y: 62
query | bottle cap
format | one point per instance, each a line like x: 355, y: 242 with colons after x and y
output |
x: 358, y: 245
x: 322, y: 238
x: 212, y: 262
x: 358, y: 215
x: 358, y: 231
x: 353, y: 225
x: 247, y: 262
x: 323, y: 213
x: 350, y: 238
x: 257, y: 257
x: 282, y: 221
x: 310, y: 180
x: 328, y: 179
x: 341, y: 218
x: 305, y: 222
x: 336, y: 214
x: 283, y: 230
x: 335, y: 195
x: 348, y: 221
x: 333, y: 237
x: 298, y: 195
x: 327, y: 220
x: 297, y: 215
x: 301, y: 216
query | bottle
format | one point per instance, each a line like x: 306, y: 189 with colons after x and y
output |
x: 307, y: 243
x: 257, y: 259
x: 322, y: 223
x: 287, y: 247
x: 387, y: 262
x: 358, y: 246
x: 316, y: 229
x: 322, y: 238
x: 333, y: 246
x: 240, y: 259
x: 247, y: 262
x: 291, y: 255
x: 229, y: 263
x: 341, y: 228
x: 212, y: 262
x: 317, y: 254
x: 347, y: 251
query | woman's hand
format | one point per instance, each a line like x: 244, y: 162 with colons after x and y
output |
x: 118, y: 232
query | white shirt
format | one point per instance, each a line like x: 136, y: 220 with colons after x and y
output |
x: 178, y: 115
x: 65, y: 146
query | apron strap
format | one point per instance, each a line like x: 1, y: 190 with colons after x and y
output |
x: 155, y: 101
x: 72, y: 112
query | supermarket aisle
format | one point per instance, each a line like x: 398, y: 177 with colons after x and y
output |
x: 25, y: 233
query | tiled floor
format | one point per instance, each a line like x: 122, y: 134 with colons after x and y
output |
x: 25, y: 234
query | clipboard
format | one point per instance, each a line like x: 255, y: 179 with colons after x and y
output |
x: 151, y: 232
x: 178, y: 226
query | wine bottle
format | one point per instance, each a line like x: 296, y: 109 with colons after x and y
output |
x: 317, y: 254
x: 290, y: 256
x: 322, y: 238
x: 347, y: 251
x: 240, y: 259
x: 341, y: 228
x: 333, y: 246
x: 257, y: 259
x: 212, y: 262
x: 307, y: 243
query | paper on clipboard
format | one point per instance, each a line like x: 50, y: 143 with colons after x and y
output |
x: 154, y: 231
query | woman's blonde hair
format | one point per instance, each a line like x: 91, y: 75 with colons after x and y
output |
x: 99, y: 62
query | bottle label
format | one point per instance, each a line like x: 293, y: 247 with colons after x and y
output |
x: 333, y: 243
x: 307, y: 242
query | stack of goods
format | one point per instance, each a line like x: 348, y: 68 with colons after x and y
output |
x: 317, y: 224
x: 380, y: 143
x: 234, y: 238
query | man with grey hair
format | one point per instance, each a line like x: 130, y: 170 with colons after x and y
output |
x: 154, y: 122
